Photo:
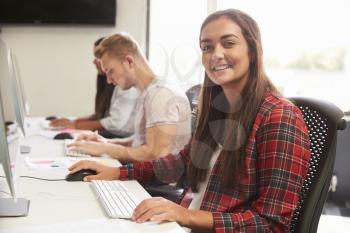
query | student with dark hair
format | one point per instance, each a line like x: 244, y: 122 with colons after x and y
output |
x: 249, y: 155
x: 114, y: 108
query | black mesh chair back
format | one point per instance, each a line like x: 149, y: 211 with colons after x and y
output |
x: 193, y: 95
x: 323, y: 119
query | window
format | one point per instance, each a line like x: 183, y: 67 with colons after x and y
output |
x: 306, y: 45
x: 174, y: 40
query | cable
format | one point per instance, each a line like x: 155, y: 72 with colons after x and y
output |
x: 38, y: 178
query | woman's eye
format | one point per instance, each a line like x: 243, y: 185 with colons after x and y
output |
x: 229, y: 43
x: 205, y: 48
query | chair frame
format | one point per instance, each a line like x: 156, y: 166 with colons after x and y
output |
x: 323, y: 151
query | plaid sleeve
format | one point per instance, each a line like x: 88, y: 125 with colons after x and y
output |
x: 168, y: 169
x: 283, y: 152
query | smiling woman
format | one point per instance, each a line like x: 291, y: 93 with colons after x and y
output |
x: 248, y: 158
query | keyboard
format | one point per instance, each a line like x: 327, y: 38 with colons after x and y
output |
x: 116, y: 199
x: 72, y: 153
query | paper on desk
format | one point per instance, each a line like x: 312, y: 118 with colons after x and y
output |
x: 49, y: 163
x: 104, y: 225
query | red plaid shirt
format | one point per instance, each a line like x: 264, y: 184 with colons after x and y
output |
x: 277, y: 156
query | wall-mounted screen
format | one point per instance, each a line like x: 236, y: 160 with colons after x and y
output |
x: 85, y: 12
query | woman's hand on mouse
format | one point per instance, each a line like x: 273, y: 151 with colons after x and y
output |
x: 103, y: 172
x: 90, y: 147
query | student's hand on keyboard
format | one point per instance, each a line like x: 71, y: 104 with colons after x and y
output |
x: 91, y: 148
x: 63, y: 122
x: 103, y: 172
x: 92, y: 137
x: 159, y: 209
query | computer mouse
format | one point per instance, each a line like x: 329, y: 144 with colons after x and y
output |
x: 50, y: 118
x: 79, y: 175
x: 61, y: 136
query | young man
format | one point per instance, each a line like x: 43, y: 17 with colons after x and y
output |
x: 163, y: 115
x: 114, y: 108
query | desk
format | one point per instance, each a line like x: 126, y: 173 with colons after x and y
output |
x: 60, y: 206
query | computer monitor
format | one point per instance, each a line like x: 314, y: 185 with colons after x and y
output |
x: 24, y: 100
x: 19, y: 101
x: 10, y: 207
x: 16, y: 93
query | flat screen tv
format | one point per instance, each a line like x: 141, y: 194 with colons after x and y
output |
x: 84, y: 12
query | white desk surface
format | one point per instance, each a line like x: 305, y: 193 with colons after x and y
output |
x: 60, y: 206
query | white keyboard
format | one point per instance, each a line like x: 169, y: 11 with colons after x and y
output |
x: 72, y: 153
x: 116, y: 199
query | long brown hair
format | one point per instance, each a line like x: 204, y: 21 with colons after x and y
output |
x: 224, y: 124
x: 104, y: 92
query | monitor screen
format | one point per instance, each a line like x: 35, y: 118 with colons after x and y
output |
x: 23, y: 96
x: 4, y: 151
x: 16, y: 94
x: 98, y: 12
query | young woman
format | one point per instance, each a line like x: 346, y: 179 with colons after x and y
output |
x: 114, y: 108
x: 249, y: 155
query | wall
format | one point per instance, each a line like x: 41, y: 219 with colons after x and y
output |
x: 56, y: 61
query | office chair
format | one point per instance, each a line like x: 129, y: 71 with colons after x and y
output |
x: 323, y: 119
x: 174, y: 192
x: 193, y: 95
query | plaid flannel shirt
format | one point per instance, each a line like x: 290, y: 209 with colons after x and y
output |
x: 264, y: 200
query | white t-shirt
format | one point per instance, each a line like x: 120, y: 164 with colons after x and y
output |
x: 121, y: 113
x: 160, y: 104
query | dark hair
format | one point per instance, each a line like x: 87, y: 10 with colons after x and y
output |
x: 103, y: 96
x: 98, y: 41
x: 224, y: 125
x: 104, y: 91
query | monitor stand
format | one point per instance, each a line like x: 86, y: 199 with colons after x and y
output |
x: 25, y: 149
x: 10, y: 208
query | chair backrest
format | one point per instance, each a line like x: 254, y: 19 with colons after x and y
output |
x: 193, y: 95
x: 323, y: 119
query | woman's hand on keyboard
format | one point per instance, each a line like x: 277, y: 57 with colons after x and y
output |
x: 159, y: 209
x: 92, y: 137
x: 103, y: 172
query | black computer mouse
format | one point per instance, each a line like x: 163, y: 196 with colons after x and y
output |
x: 50, y: 118
x: 62, y: 136
x: 79, y: 175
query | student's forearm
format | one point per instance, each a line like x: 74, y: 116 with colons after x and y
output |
x: 199, y: 220
x: 122, y: 141
x: 130, y: 154
x: 88, y: 125
x: 87, y: 118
